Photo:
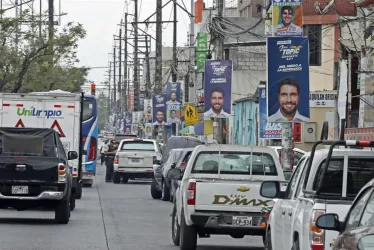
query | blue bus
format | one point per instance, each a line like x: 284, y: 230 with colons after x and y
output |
x: 90, y: 130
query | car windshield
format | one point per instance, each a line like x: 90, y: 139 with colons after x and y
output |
x: 235, y: 163
x: 138, y: 145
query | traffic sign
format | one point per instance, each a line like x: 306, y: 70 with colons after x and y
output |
x: 56, y: 124
x: 191, y: 115
x: 19, y: 124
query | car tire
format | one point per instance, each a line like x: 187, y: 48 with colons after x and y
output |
x: 72, y: 203
x: 267, y: 240
x: 175, y: 227
x: 154, y: 192
x: 79, y: 191
x: 62, y: 211
x: 116, y: 178
x: 188, y: 236
x: 125, y: 179
x: 165, y: 192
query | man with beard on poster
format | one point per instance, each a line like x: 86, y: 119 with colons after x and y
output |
x: 173, y: 99
x: 159, y: 119
x: 289, y: 100
x: 217, y: 102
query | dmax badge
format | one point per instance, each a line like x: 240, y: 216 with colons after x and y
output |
x: 238, y: 200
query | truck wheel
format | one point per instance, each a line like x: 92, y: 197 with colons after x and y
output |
x: 267, y: 240
x: 72, y: 203
x: 188, y: 236
x: 79, y: 191
x: 125, y: 179
x: 154, y: 192
x: 175, y: 228
x: 62, y: 211
x: 165, y: 192
x: 116, y: 178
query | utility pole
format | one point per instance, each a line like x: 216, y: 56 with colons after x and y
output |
x: 114, y: 78
x: 51, y: 29
x: 175, y: 59
x: 119, y: 107
x: 17, y: 29
x: 125, y: 76
x: 158, y: 75
x: 148, y: 80
x: 109, y: 94
x: 192, y: 76
x: 136, y: 79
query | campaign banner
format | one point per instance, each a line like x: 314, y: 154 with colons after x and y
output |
x: 137, y: 117
x: 173, y: 103
x: 217, y: 89
x: 148, y: 130
x: 268, y: 130
x: 148, y: 110
x: 288, y: 79
x: 159, y: 109
x: 287, y: 18
x: 127, y: 125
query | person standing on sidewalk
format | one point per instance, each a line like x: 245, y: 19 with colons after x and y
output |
x: 110, y: 154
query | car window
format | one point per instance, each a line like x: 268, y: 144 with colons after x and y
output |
x: 297, y: 157
x: 138, y: 145
x: 367, y: 217
x: 293, y: 182
x: 304, y: 162
x: 234, y: 163
x: 187, y: 157
x: 354, y: 215
x: 360, y: 172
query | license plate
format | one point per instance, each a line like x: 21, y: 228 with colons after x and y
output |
x: 20, y: 189
x: 241, y: 221
x: 135, y: 160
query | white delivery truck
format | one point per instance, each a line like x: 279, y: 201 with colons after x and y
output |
x: 57, y: 109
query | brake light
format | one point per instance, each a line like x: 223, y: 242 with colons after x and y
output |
x: 116, y: 159
x: 61, y: 173
x: 183, y: 165
x: 316, y: 234
x: 191, y: 193
x: 359, y: 143
x: 93, y: 149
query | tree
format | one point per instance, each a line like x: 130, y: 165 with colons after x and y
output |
x: 30, y: 61
x: 103, y: 114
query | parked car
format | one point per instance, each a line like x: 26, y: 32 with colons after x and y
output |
x: 34, y: 171
x: 159, y: 179
x: 356, y: 231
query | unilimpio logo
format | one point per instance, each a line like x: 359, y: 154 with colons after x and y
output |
x: 38, y: 112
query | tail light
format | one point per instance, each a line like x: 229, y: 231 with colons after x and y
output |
x: 61, y: 173
x: 183, y: 165
x: 93, y: 149
x: 316, y: 234
x: 191, y: 193
x: 116, y: 159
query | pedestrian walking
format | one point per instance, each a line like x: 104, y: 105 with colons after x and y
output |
x: 110, y: 154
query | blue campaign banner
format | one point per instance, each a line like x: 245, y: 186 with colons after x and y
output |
x: 268, y: 130
x: 159, y: 109
x: 217, y: 89
x: 288, y: 79
x: 173, y: 103
x: 127, y: 125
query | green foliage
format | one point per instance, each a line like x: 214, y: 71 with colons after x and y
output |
x: 34, y: 59
x: 103, y: 115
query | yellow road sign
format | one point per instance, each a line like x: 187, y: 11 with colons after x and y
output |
x: 191, y: 115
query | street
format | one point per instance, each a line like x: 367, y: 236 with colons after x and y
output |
x: 108, y: 216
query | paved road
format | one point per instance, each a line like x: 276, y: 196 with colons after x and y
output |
x: 109, y: 217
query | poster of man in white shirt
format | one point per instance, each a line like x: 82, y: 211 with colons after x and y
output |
x: 217, y: 104
x: 288, y: 101
x: 288, y: 24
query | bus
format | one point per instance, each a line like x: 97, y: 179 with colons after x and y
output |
x: 90, y: 131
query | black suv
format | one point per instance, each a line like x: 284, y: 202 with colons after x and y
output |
x: 34, y: 171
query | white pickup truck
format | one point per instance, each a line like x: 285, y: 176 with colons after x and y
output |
x: 314, y: 190
x: 219, y: 192
x: 136, y: 158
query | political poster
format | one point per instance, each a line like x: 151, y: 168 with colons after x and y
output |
x: 217, y: 89
x: 173, y: 103
x: 287, y: 18
x: 148, y: 110
x: 268, y: 130
x: 148, y: 130
x: 159, y: 109
x: 288, y: 79
x: 127, y: 125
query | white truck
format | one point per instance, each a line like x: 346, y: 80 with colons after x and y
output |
x: 59, y: 110
x: 136, y: 158
x: 325, y: 181
x: 219, y: 192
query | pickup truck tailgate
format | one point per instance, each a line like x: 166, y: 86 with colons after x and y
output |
x: 341, y: 210
x: 222, y: 195
x: 135, y: 159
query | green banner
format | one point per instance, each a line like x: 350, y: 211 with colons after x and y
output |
x: 201, y: 50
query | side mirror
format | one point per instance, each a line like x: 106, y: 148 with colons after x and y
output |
x: 175, y: 174
x: 270, y: 189
x: 328, y: 222
x: 366, y: 242
x: 173, y: 165
x: 72, y: 155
